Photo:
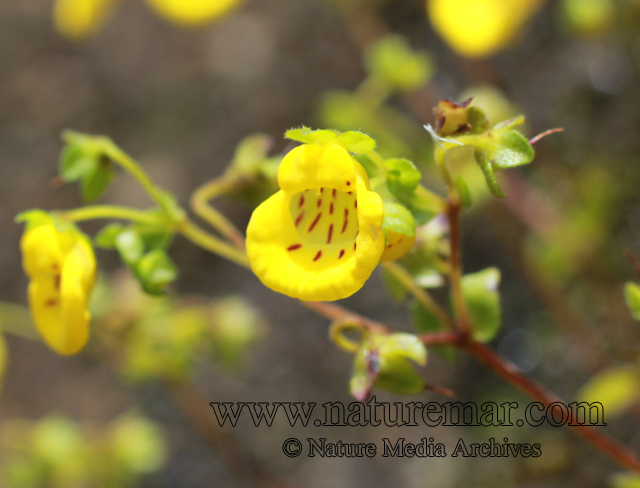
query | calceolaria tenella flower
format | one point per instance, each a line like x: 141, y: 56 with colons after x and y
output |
x: 320, y: 237
x: 60, y: 263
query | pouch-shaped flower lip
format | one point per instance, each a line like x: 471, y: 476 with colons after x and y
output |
x: 320, y: 236
x: 62, y: 269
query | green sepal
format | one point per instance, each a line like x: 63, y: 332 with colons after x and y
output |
x: 632, y: 298
x: 251, y: 153
x: 477, y: 119
x: 369, y: 166
x: 356, y: 142
x: 510, y: 123
x: 305, y: 135
x: 482, y: 297
x: 463, y: 191
x: 506, y: 149
x: 398, y: 219
x: 33, y: 218
x: 489, y: 174
x: 106, y: 238
x: 392, y: 60
x: 402, y: 178
x: 155, y: 271
x: 130, y: 246
x: 96, y: 182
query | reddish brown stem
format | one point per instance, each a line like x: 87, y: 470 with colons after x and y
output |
x: 455, y: 239
x: 616, y: 451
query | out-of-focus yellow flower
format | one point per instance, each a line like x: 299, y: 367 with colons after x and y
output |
x: 192, y: 12
x: 320, y: 237
x: 62, y: 268
x: 81, y: 19
x: 479, y: 28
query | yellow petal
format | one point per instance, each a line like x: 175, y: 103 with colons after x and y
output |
x: 192, y: 12
x: 319, y: 238
x: 479, y: 28
x: 397, y: 246
x: 80, y: 19
x: 42, y: 253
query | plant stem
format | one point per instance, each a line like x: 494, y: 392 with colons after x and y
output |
x: 455, y: 273
x: 619, y: 453
x: 421, y: 295
x: 211, y: 243
x: 200, y: 205
x: 110, y: 212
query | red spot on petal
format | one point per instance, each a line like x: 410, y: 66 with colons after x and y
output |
x: 355, y: 204
x: 330, y: 234
x: 313, y: 224
x: 56, y: 281
x: 299, y: 219
x: 318, y: 256
x: 319, y: 203
x: 321, y: 190
x: 389, y: 246
x: 346, y: 220
x: 354, y: 246
x: 341, y: 253
x: 52, y: 302
x: 301, y: 203
x: 333, y: 193
x: 348, y: 183
x: 294, y: 247
x: 331, y: 208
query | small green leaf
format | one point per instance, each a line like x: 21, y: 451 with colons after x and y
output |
x: 97, y: 181
x: 33, y: 218
x: 397, y: 290
x: 130, y: 246
x: 106, y: 238
x: 482, y: 297
x: 156, y: 271
x: 392, y: 60
x: 463, y: 191
x: 75, y: 163
x: 306, y: 135
x: 477, y: 119
x: 357, y: 142
x: 632, y: 297
x: 426, y: 322
x: 617, y: 388
x: 405, y: 345
x: 397, y: 376
x: 507, y: 149
x: 402, y: 178
x: 398, y: 219
x: 510, y: 123
x: 489, y: 175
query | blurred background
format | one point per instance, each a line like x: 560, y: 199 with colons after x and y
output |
x: 181, y: 100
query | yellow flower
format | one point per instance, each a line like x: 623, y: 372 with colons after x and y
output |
x: 62, y: 268
x: 320, y: 237
x: 192, y: 12
x: 479, y: 28
x: 81, y: 19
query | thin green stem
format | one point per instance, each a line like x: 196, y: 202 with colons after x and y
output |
x: 110, y: 212
x: 211, y: 243
x: 200, y: 205
x: 423, y: 297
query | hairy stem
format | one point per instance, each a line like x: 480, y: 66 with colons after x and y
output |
x: 110, y: 212
x: 200, y: 205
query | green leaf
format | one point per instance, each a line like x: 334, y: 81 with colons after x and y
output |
x: 617, y: 388
x: 33, y: 218
x: 632, y: 297
x: 489, y: 175
x: 463, y: 191
x: 397, y: 290
x: 392, y: 60
x: 97, y: 181
x: 510, y: 123
x: 426, y: 322
x: 402, y: 178
x: 398, y: 219
x: 405, y: 345
x: 306, y: 135
x: 397, y: 376
x: 482, y: 297
x: 156, y: 271
x: 507, y: 149
x: 106, y: 238
x: 130, y: 246
x: 76, y: 163
x: 357, y: 142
